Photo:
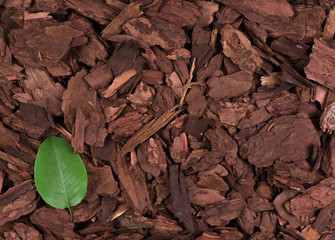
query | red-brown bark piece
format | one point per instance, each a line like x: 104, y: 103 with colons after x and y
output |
x: 267, y: 227
x: 210, y: 179
x: 85, y: 211
x: 45, y: 91
x: 258, y: 204
x: 207, y: 9
x: 291, y: 170
x: 262, y: 10
x: 247, y: 220
x: 279, y: 202
x: 304, y: 26
x: 328, y: 161
x: 179, y: 149
x: 325, y: 218
x: 230, y: 85
x: 99, y: 76
x: 310, y: 233
x: 34, y: 115
x: 238, y: 48
x: 277, y: 140
x: 11, y: 143
x: 95, y: 131
x: 196, y: 127
x: 180, y: 12
x: 294, y: 50
x: 204, y: 196
x: 83, y: 113
x: 284, y: 103
x: 202, y: 160
x: 18, y: 201
x: 59, y: 70
x: 196, y: 101
x: 52, y: 6
x: 181, y: 205
x: 255, y: 118
x: 143, y: 95
x: 152, y: 158
x: 97, y: 10
x: 100, y: 183
x: 44, y: 43
x: 133, y: 184
x: 233, y: 112
x: 111, y: 112
x: 162, y: 62
x: 135, y: 221
x: 321, y: 67
x: 107, y: 152
x: 156, y: 32
x: 128, y: 123
x: 313, y: 199
x: 18, y: 124
x: 162, y: 223
x: 222, y: 142
x: 227, y: 15
x: 55, y: 221
x: 125, y: 57
x: 93, y: 51
x: 152, y: 77
x: 118, y: 82
x: 221, y: 213
x: 231, y: 233
x: 26, y: 232
x: 164, y: 100
x: 173, y: 81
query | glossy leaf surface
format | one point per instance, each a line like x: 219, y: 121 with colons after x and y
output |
x: 60, y: 175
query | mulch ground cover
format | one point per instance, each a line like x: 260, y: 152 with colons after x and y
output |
x: 195, y: 119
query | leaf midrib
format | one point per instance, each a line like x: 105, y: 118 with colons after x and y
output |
x: 61, y: 174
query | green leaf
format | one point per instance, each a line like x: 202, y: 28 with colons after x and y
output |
x: 60, y: 175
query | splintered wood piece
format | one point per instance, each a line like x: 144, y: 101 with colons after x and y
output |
x: 124, y: 207
x: 149, y: 129
x: 183, y: 95
x: 133, y: 10
x: 329, y: 29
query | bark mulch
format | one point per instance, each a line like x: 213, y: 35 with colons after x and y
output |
x: 195, y: 119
